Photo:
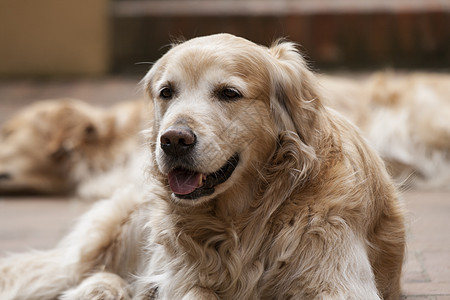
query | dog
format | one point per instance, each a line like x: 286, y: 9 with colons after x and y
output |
x: 404, y: 117
x: 53, y: 146
x: 254, y: 190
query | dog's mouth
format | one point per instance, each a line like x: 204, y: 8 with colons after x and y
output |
x: 187, y: 184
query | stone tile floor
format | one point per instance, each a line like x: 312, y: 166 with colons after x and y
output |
x: 39, y: 222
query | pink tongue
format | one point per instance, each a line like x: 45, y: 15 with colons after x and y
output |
x: 184, y: 182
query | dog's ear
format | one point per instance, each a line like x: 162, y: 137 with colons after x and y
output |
x: 146, y: 84
x: 295, y: 100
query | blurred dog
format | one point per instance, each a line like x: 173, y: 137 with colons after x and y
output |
x: 405, y: 117
x: 256, y: 191
x: 52, y: 146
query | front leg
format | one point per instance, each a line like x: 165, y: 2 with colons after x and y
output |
x: 36, y: 275
x: 200, y: 293
x: 342, y: 269
x: 327, y: 263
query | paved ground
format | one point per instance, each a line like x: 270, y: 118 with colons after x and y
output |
x: 427, y: 267
x: 39, y: 222
x: 102, y: 91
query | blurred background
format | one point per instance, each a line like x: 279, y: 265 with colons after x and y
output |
x: 103, y: 37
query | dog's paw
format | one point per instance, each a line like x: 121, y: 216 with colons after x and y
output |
x: 100, y: 286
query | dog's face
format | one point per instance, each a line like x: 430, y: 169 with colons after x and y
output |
x: 216, y: 116
x: 44, y: 144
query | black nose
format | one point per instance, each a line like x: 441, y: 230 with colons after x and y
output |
x: 177, y: 140
x: 5, y: 176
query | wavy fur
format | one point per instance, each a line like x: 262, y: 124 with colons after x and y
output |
x: 309, y: 212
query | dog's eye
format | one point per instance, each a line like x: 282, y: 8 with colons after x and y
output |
x: 229, y: 94
x: 166, y: 93
x: 89, y: 129
x: 90, y: 133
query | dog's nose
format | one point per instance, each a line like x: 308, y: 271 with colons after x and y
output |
x: 177, y: 140
x: 5, y: 176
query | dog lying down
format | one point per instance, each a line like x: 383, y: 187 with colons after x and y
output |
x: 405, y: 117
x: 51, y: 147
x: 254, y: 191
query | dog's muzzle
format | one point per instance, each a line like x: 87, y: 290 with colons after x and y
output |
x: 178, y: 143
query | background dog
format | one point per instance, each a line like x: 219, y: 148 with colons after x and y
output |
x: 405, y: 117
x: 52, y: 147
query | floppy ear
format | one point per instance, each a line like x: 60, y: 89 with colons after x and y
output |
x: 146, y: 84
x: 295, y: 101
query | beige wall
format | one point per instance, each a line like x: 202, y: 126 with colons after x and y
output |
x: 54, y: 37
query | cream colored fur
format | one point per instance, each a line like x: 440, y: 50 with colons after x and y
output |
x: 309, y: 212
x: 405, y: 117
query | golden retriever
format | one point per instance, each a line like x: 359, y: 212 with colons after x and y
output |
x: 255, y: 191
x: 53, y: 146
x: 404, y: 117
